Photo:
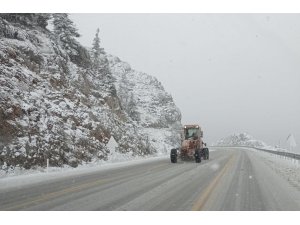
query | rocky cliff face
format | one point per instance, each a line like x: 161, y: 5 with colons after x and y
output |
x: 152, y: 110
x: 56, y: 107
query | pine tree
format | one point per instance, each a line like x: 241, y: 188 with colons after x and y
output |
x: 42, y: 19
x: 96, y: 50
x: 66, y: 32
x: 100, y: 61
x: 132, y: 109
x: 27, y: 19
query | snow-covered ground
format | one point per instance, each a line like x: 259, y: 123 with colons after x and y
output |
x: 286, y: 167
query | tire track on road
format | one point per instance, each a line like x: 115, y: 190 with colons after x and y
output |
x: 204, y: 196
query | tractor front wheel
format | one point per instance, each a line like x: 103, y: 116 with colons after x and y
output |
x: 206, y: 153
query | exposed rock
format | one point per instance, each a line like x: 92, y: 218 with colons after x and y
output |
x: 145, y: 101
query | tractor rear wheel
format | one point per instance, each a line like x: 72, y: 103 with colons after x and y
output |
x: 198, y: 156
x: 173, y: 155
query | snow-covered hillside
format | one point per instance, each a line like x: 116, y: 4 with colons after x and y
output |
x: 54, y: 103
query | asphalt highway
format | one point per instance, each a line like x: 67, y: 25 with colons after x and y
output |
x: 232, y: 179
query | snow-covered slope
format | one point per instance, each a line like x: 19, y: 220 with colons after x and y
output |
x: 55, y: 106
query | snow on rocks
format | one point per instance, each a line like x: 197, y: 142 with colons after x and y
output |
x: 52, y: 107
x: 145, y: 101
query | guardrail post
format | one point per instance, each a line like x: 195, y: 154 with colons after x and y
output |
x: 47, y: 165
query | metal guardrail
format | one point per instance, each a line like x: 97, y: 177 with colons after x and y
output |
x: 285, y: 154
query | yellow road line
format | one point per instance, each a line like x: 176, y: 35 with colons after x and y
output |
x: 56, y: 194
x: 202, y: 199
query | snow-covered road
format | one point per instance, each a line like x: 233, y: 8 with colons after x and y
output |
x: 233, y: 179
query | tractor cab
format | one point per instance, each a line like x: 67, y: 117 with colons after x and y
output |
x: 192, y: 132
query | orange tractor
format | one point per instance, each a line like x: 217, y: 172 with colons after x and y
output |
x: 192, y: 146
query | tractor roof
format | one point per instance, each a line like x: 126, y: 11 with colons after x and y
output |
x: 191, y: 126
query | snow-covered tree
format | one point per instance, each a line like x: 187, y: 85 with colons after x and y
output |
x: 66, y: 32
x: 100, y: 61
x: 42, y: 19
x: 64, y: 27
x: 132, y: 109
x: 127, y: 100
x: 27, y: 19
x: 96, y: 49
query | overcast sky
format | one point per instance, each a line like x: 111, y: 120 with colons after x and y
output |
x: 228, y: 72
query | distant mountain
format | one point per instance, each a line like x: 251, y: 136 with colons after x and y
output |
x: 241, y: 139
x: 55, y: 104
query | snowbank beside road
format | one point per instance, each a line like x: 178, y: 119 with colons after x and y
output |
x: 286, y: 167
